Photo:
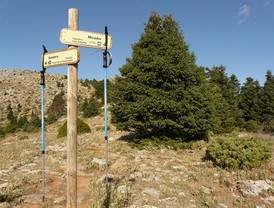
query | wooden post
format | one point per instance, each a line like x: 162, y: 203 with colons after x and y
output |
x: 72, y: 121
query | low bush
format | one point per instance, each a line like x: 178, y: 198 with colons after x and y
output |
x: 10, y: 128
x: 82, y: 128
x: 51, y: 118
x: 2, y: 134
x: 238, y: 153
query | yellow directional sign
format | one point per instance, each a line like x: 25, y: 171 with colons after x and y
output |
x: 85, y: 39
x: 61, y: 57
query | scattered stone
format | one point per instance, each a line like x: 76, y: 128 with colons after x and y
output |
x: 151, y: 192
x: 123, y: 189
x: 32, y: 198
x: 260, y: 206
x: 254, y: 188
x: 179, y: 167
x: 206, y: 190
x: 189, y: 151
x: 182, y: 194
x: 4, y: 173
x: 59, y: 200
x: 121, y: 162
x: 80, y: 198
x: 5, y: 205
x: 221, y: 205
x: 168, y: 200
x: 100, y: 163
x: 56, y: 148
x: 269, y: 200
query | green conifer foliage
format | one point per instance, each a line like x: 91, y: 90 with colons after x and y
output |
x: 227, y: 106
x: 249, y: 100
x: 267, y: 103
x: 161, y: 90
x: 58, y: 106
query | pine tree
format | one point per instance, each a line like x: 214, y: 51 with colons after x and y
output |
x: 58, y: 106
x: 249, y: 100
x: 229, y: 88
x: 161, y: 90
x: 267, y: 102
x: 90, y: 107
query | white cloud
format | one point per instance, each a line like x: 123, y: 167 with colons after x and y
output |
x: 266, y: 2
x: 243, y: 14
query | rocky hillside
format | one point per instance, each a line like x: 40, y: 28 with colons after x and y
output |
x: 148, y: 178
x: 21, y: 89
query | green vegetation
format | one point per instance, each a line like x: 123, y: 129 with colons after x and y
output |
x: 98, y: 86
x: 12, y: 192
x: 21, y: 123
x: 161, y: 89
x: 51, y: 118
x: 2, y: 133
x: 90, y: 107
x: 58, y: 106
x: 82, y: 128
x: 163, y: 93
x: 233, y: 152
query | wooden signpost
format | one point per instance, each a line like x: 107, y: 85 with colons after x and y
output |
x: 61, y: 57
x: 71, y: 56
x: 72, y: 120
x: 84, y: 39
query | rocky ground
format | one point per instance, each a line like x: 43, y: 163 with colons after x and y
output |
x: 139, y: 178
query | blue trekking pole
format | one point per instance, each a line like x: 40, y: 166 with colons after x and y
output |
x: 106, y: 65
x: 42, y: 83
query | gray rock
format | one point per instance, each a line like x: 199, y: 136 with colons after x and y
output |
x: 100, y: 163
x: 254, y: 188
x: 5, y: 205
x: 59, y: 200
x: 221, y: 205
x: 151, y: 192
x: 123, y: 189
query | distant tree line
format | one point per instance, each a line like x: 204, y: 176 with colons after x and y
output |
x: 89, y: 107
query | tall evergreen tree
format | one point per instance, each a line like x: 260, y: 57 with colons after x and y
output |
x: 90, y: 107
x: 249, y: 100
x: 267, y: 102
x: 229, y: 88
x: 161, y: 90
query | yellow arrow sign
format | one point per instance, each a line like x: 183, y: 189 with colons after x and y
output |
x: 61, y: 57
x: 85, y: 39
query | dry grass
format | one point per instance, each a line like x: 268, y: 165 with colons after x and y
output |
x: 154, y: 177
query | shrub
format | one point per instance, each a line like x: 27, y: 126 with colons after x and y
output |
x: 58, y: 106
x: 2, y: 133
x: 90, y: 108
x: 10, y: 128
x: 51, y: 118
x: 233, y: 152
x: 82, y: 128
x: 251, y: 125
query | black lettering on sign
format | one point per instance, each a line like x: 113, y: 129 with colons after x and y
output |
x: 95, y: 38
x: 53, y: 57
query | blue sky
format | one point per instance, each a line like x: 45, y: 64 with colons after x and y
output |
x: 238, y: 34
